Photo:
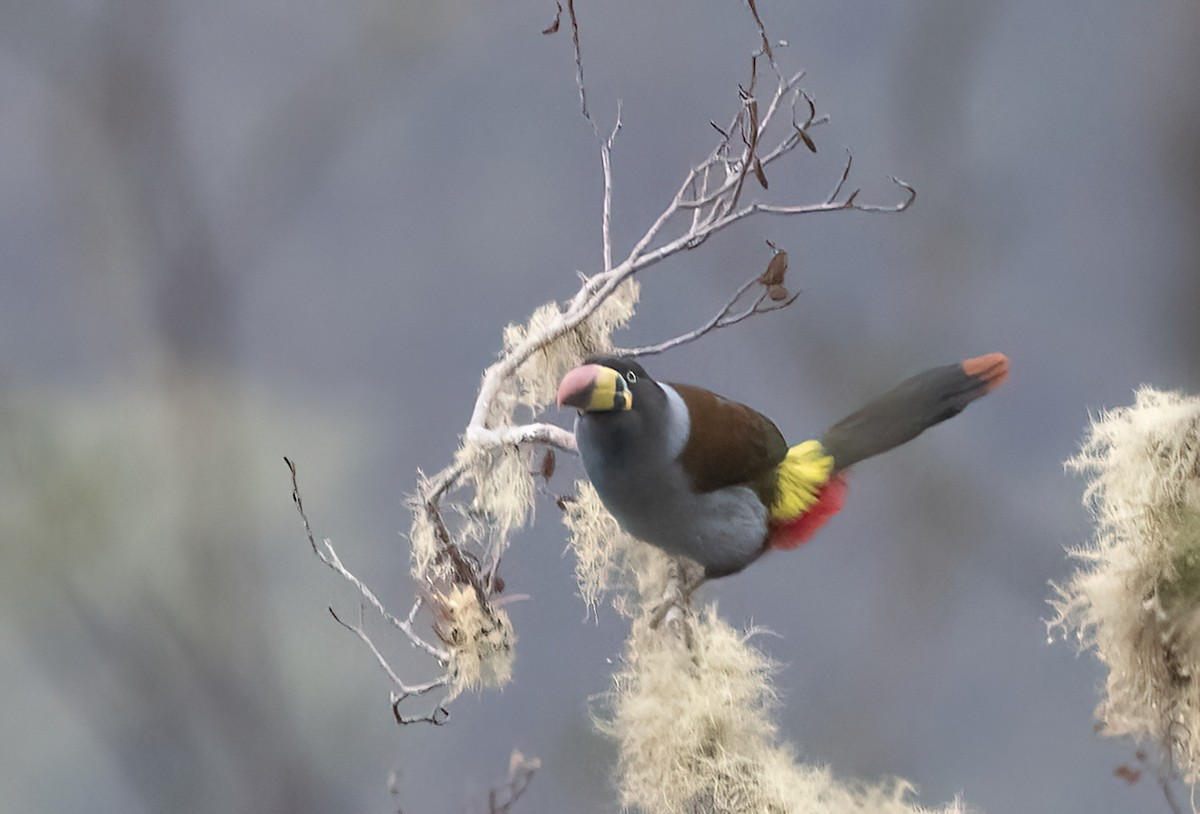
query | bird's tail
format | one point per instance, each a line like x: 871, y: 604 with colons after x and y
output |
x: 810, y: 485
x: 914, y: 406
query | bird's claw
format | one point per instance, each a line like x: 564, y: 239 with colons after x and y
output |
x: 675, y: 608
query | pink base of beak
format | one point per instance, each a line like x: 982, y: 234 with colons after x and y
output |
x: 575, y: 388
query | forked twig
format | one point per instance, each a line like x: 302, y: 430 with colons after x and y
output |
x: 328, y: 555
x: 722, y: 319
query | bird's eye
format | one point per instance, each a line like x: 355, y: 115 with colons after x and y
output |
x: 630, y: 376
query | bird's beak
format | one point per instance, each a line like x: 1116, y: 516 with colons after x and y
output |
x: 594, y: 388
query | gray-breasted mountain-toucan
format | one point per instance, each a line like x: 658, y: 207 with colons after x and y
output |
x: 698, y: 475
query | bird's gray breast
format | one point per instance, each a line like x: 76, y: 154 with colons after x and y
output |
x: 633, y: 461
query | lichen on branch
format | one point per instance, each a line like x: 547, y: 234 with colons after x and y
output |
x: 693, y: 718
x: 537, y: 376
x: 1135, y: 598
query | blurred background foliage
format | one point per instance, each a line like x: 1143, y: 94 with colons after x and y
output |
x: 231, y: 231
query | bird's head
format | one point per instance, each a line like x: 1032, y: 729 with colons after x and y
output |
x: 603, y: 384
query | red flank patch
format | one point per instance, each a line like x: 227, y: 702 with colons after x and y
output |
x: 793, y: 533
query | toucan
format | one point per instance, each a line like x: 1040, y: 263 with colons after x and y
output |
x: 702, y: 476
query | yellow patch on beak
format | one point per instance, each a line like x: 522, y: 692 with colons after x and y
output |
x: 611, y: 391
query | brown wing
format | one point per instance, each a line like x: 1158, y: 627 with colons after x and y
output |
x: 730, y: 444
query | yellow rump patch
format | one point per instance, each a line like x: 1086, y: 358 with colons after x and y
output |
x: 801, y: 475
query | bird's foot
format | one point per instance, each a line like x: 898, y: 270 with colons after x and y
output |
x: 675, y: 608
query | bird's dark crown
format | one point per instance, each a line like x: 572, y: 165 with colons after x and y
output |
x: 621, y: 364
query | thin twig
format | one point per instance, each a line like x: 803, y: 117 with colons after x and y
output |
x: 520, y: 774
x: 837, y: 190
x: 606, y: 144
x: 1164, y: 773
x: 553, y: 27
x: 438, y: 717
x: 762, y: 32
x: 1164, y: 782
x: 329, y: 556
x: 850, y: 203
x: 583, y: 105
x: 465, y: 571
x: 722, y: 319
x: 407, y: 689
x: 606, y: 165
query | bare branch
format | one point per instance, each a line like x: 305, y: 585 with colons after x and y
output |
x: 328, y: 555
x: 549, y: 434
x: 606, y: 165
x: 520, y: 774
x: 406, y: 689
x: 733, y: 169
x: 583, y: 105
x: 722, y: 319
x: 438, y: 717
x: 553, y: 27
x: 606, y: 144
x: 837, y: 190
x: 762, y: 32
x: 835, y: 206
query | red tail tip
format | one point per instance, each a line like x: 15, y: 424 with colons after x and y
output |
x: 992, y: 368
